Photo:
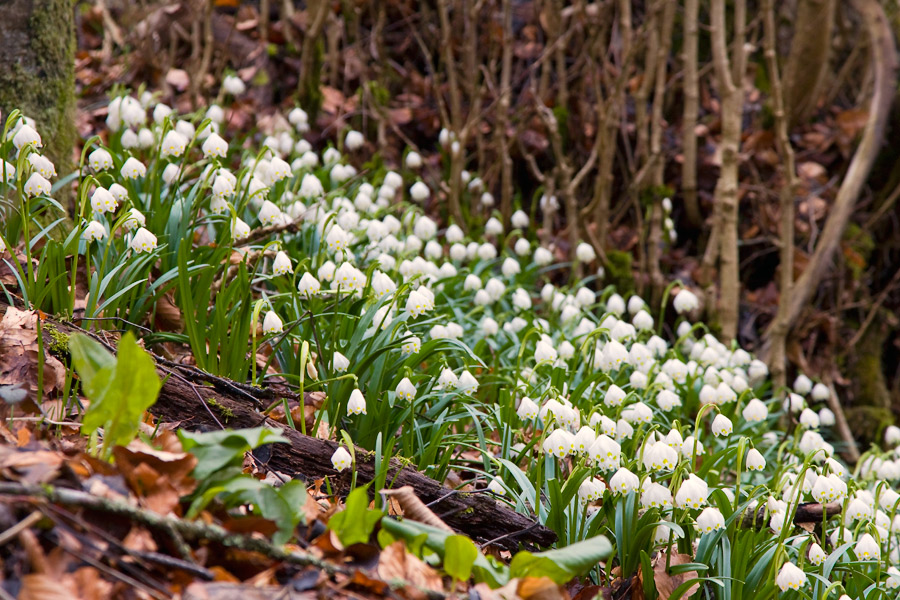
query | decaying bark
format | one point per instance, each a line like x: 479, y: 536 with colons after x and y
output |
x: 807, y: 62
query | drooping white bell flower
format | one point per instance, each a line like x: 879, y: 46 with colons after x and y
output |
x: 406, y: 390
x: 693, y: 492
x: 357, y: 403
x: 272, y: 323
x: 685, y: 301
x: 519, y: 219
x: 239, y: 229
x: 215, y: 145
x: 710, y: 520
x: 37, y: 185
x: 282, y: 264
x: 584, y: 252
x: 100, y: 160
x: 234, y: 85
x: 341, y: 459
x: 93, y: 232
x: 340, y: 363
x: 143, y: 241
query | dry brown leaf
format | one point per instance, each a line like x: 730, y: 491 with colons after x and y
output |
x: 540, y: 588
x: 414, y: 508
x: 19, y: 353
x: 396, y: 563
x: 31, y: 467
x: 666, y: 583
x: 42, y: 586
x: 159, y: 478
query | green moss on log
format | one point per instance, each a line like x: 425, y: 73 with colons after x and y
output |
x: 38, y: 77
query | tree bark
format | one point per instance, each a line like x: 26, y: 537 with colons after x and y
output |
x: 37, y: 54
x: 808, y: 60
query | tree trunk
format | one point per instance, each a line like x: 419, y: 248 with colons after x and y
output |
x: 38, y: 73
x: 808, y: 60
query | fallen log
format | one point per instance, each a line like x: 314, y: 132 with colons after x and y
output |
x: 197, y: 401
x: 479, y: 515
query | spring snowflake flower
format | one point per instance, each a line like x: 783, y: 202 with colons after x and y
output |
x: 510, y: 267
x: 134, y: 218
x: 411, y: 345
x: 816, y: 555
x: 133, y: 168
x: 685, y: 301
x: 413, y: 160
x: 655, y: 495
x: 616, y: 305
x: 660, y: 456
x: 103, y: 201
x: 892, y: 435
x: 170, y: 173
x: 234, y: 85
x: 867, y: 548
x: 722, y: 426
x: 585, y: 253
x: 272, y: 323
x: 755, y: 411
x: 337, y: 238
x: 643, y: 321
x: 467, y: 383
x: 542, y: 257
x: 357, y: 403
x: 143, y: 241
x: 489, y: 327
x: 624, y: 481
x: 419, y: 192
x: 560, y: 443
x: 519, y: 219
x: 826, y: 417
x: 591, y: 489
x: 173, y: 144
x: 710, y: 519
x: 417, y: 303
x: 282, y: 264
x: 37, y: 185
x: 693, y: 492
x: 447, y: 380
x: 803, y: 385
x: 527, y: 409
x: 239, y: 229
x: 341, y: 459
x: 340, y: 363
x: 790, y: 577
x: 755, y: 460
x: 7, y: 171
x: 406, y: 390
x: 269, y: 214
x: 93, y: 232
x: 27, y: 136
x: 214, y: 146
x: 100, y: 160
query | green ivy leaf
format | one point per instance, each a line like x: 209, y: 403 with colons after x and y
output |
x: 459, y: 556
x: 120, y: 388
x: 355, y: 523
x: 563, y: 564
x: 217, y: 449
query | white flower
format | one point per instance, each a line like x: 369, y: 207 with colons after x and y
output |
x: 591, y: 489
x: 447, y: 380
x: 234, y: 85
x: 170, y: 173
x: 7, y: 171
x: 522, y: 247
x: 809, y: 419
x: 819, y: 392
x: 298, y: 116
x: 118, y: 191
x: 867, y: 548
x: 348, y: 277
x: 816, y: 555
x: 417, y: 303
x: 133, y: 168
x: 519, y: 219
x: 93, y: 232
x: 542, y: 256
x: 643, y: 321
x: 790, y: 577
x: 892, y: 435
x: 636, y: 304
x: 239, y: 229
x: 143, y: 241
x: 103, y: 201
x: 667, y: 400
x: 134, y: 218
x: 656, y: 496
x: 585, y: 252
x: 493, y: 227
x: 414, y: 160
x: 803, y: 385
x: 826, y: 417
x: 487, y: 198
x: 311, y: 187
x: 419, y: 192
x: 710, y: 520
x: 27, y: 136
x: 521, y: 300
x: 354, y: 140
x: 489, y: 326
x: 215, y: 146
x: 624, y: 481
x: 660, y: 456
x: 357, y: 403
x: 755, y: 460
x: 37, y: 185
x: 425, y: 228
x: 406, y: 390
x: 100, y: 160
x: 685, y: 301
x: 467, y: 383
x: 272, y: 323
x: 510, y: 267
x: 282, y: 264
x: 340, y: 363
x: 269, y: 213
x: 544, y: 352
x: 693, y: 492
x: 614, y: 396
x: 173, y: 144
x: 527, y: 409
x: 411, y: 345
x: 755, y: 411
x: 341, y: 459
x: 337, y: 238
x: 721, y: 425
x: 615, y: 304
